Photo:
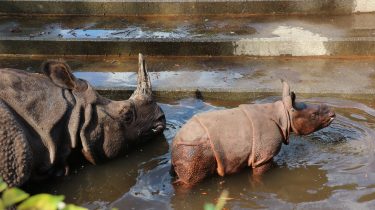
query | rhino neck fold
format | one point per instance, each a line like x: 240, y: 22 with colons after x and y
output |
x: 286, y: 121
x: 85, y: 124
x: 220, y: 167
x: 271, y: 128
x: 73, y: 124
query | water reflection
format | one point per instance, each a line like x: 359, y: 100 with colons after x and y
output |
x: 165, y: 79
x: 106, y: 182
x: 333, y: 168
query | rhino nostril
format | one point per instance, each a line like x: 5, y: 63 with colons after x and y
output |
x: 331, y: 114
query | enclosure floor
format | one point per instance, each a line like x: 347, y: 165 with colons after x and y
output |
x: 221, y: 77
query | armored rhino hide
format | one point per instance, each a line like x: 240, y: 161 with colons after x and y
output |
x: 44, y: 116
x: 226, y: 141
x: 237, y: 146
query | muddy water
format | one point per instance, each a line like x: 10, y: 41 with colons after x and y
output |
x: 333, y: 168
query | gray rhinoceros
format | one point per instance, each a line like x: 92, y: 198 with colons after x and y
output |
x: 226, y: 141
x: 46, y: 116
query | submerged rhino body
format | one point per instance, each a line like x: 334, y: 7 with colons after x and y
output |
x: 43, y: 117
x: 226, y: 141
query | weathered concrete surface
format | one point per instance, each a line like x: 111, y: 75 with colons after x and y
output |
x: 185, y: 7
x: 351, y: 35
x: 223, y: 77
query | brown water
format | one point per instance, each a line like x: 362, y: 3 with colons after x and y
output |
x: 331, y: 169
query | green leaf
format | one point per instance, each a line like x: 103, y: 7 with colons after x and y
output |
x: 222, y: 200
x: 2, y: 207
x: 73, y: 207
x: 220, y: 204
x: 3, y: 185
x: 13, y: 195
x: 41, y: 202
x: 209, y: 206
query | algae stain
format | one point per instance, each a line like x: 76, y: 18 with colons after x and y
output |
x: 367, y: 197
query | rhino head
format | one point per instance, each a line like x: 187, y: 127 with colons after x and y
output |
x: 306, y: 118
x: 104, y: 128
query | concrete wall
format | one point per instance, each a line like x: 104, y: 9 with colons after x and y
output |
x: 186, y: 7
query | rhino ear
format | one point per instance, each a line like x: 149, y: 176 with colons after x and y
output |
x: 293, y: 96
x: 288, y: 97
x: 59, y: 72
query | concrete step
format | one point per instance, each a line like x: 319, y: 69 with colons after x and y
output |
x: 350, y: 35
x: 226, y: 78
x: 185, y: 7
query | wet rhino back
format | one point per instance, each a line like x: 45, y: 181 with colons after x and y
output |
x: 230, y: 134
x: 41, y: 104
x: 229, y: 140
x: 33, y: 94
x: 192, y: 133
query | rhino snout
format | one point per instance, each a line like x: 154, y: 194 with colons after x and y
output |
x: 329, y: 115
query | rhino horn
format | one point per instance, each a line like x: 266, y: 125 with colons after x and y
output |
x: 144, y: 88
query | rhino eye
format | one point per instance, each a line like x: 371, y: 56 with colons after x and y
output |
x: 128, y: 117
x: 314, y: 116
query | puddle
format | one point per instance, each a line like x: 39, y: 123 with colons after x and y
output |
x: 330, y: 169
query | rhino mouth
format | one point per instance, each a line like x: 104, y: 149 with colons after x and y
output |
x: 158, y: 128
x: 329, y: 121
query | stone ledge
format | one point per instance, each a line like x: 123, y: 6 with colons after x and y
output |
x: 339, y: 47
x: 227, y: 78
x: 348, y: 35
x: 185, y: 7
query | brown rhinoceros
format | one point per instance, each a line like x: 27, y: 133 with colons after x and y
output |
x: 46, y: 116
x: 226, y: 141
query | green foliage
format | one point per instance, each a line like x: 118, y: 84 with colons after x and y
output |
x: 1, y: 205
x: 41, y: 202
x: 220, y: 203
x: 73, y: 207
x: 209, y: 206
x: 3, y: 185
x: 13, y: 196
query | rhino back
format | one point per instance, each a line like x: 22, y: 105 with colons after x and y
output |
x: 230, y: 133
x: 33, y: 95
x: 192, y: 133
x: 39, y: 102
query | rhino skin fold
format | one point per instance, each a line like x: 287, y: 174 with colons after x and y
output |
x: 46, y: 116
x: 226, y: 141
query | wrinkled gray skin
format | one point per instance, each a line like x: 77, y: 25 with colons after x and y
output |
x: 44, y: 117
